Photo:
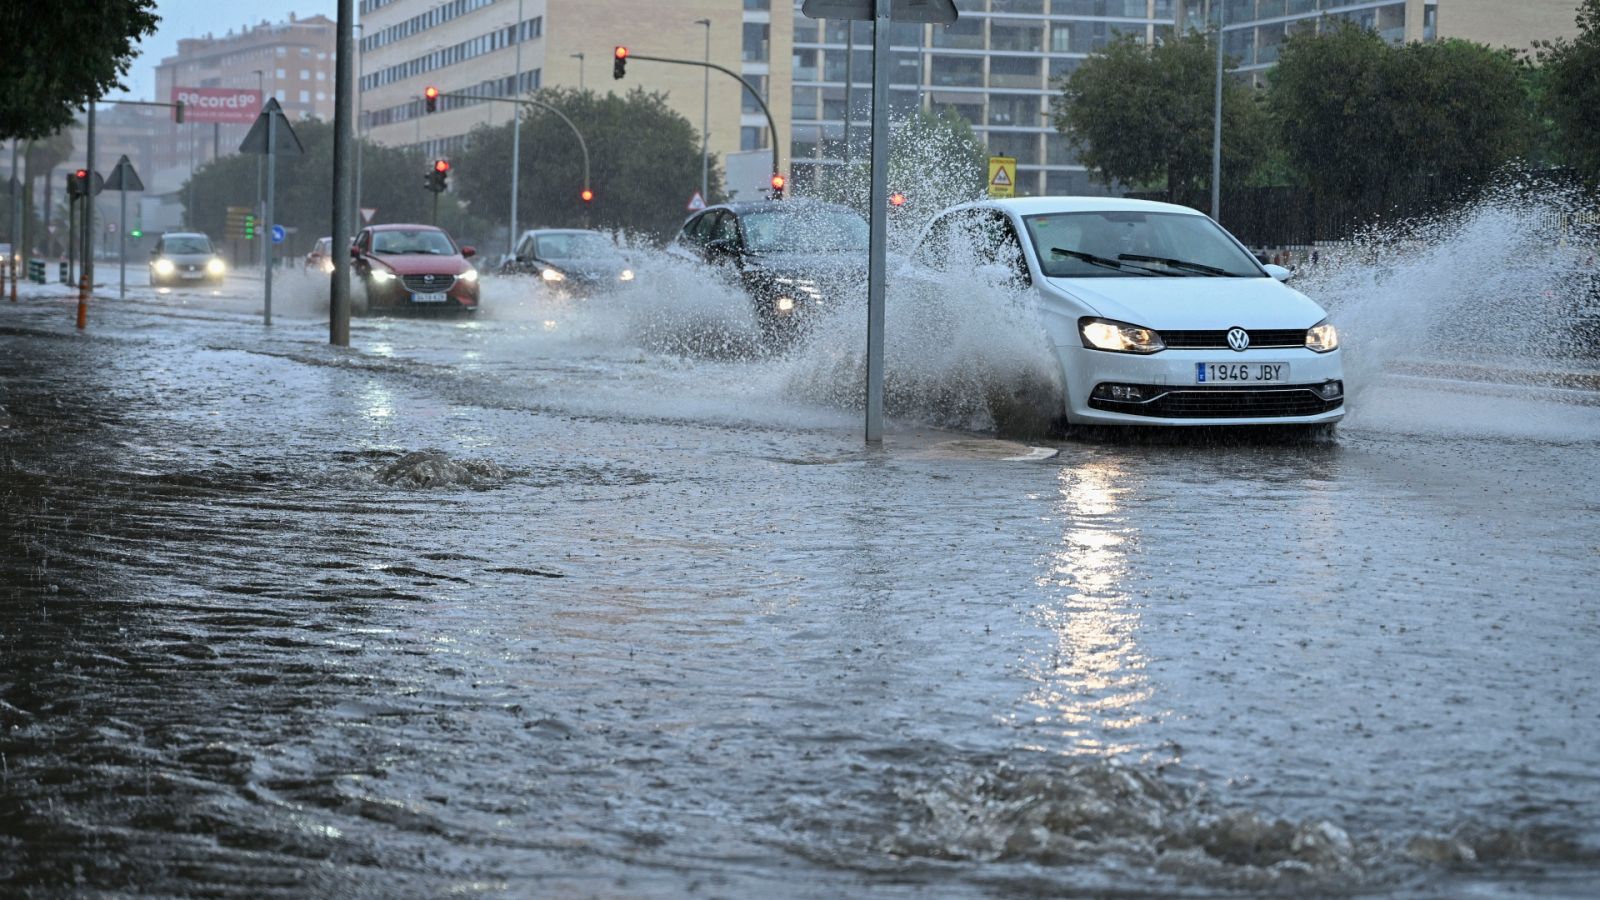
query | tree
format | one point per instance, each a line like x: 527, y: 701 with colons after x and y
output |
x: 1571, y: 95
x: 644, y: 163
x: 63, y: 54
x: 1372, y: 128
x: 1145, y: 116
x: 391, y: 183
x: 39, y: 158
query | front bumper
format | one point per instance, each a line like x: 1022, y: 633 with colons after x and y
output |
x: 1168, y: 393
x: 394, y: 295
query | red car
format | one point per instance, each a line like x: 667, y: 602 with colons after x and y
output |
x: 414, y: 267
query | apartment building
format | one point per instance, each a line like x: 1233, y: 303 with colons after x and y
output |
x: 472, y: 47
x: 291, y: 60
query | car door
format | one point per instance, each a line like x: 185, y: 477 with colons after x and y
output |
x: 978, y: 241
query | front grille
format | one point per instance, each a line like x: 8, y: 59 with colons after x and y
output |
x: 1218, y: 340
x: 1232, y: 402
x: 428, y: 284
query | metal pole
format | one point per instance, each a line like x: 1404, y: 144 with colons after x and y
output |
x: 1216, y: 130
x: 122, y: 247
x: 878, y: 234
x: 272, y: 171
x: 346, y: 192
x: 705, y: 120
x: 579, y: 58
x: 188, y: 211
x: 516, y: 143
x: 255, y: 244
x: 17, y: 244
x: 772, y: 127
x: 849, y: 81
x: 361, y: 71
x: 87, y: 283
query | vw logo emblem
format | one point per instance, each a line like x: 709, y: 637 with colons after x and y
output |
x: 1239, y: 339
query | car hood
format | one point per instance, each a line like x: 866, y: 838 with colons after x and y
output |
x: 188, y: 258
x: 421, y: 263
x: 1196, y: 303
x: 590, y: 267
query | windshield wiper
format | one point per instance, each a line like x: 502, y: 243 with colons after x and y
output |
x: 1201, y: 268
x: 1101, y: 261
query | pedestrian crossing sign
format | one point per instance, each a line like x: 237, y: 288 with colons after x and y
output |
x: 1002, y: 176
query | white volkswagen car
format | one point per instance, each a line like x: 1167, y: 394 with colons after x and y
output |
x: 1155, y: 314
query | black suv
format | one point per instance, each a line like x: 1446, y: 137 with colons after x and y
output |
x: 792, y: 257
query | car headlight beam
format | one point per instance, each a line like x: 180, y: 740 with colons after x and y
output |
x: 552, y: 276
x: 469, y: 276
x: 627, y: 275
x: 1322, y: 337
x: 379, y: 276
x: 216, y: 266
x: 1119, y: 337
x: 164, y: 266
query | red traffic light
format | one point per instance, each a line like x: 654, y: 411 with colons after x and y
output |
x: 778, y: 181
x: 622, y: 53
x: 441, y: 165
x: 588, y: 195
x: 897, y: 199
x: 81, y: 174
x: 430, y: 98
x: 619, y: 63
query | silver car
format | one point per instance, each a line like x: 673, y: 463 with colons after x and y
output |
x: 185, y: 257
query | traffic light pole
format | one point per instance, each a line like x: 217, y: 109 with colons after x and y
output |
x: 771, y: 126
x: 582, y: 144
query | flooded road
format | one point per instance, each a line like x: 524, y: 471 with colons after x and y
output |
x: 559, y: 602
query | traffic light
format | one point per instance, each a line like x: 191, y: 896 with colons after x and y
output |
x: 619, y: 65
x: 249, y: 226
x: 430, y: 97
x: 78, y: 183
x: 177, y: 112
x: 438, y: 176
x: 897, y: 199
x: 136, y: 233
x: 778, y: 181
x: 587, y: 195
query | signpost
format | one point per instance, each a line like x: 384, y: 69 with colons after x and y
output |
x: 269, y: 136
x: 123, y: 179
x: 1002, y: 177
x: 880, y: 13
x: 697, y: 202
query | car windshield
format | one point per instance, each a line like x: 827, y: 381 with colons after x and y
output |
x: 805, y: 231
x: 419, y: 241
x: 186, y: 245
x: 1115, y: 243
x: 574, y: 246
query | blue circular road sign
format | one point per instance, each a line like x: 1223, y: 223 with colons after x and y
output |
x: 278, y: 234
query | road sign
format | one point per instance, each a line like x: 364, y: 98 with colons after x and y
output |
x: 123, y: 177
x: 697, y: 202
x: 367, y: 213
x: 284, y: 139
x: 278, y: 234
x: 1002, y: 176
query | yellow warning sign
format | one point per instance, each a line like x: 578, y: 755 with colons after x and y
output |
x: 1002, y: 176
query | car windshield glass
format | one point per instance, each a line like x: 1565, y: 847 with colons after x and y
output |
x: 805, y: 231
x: 575, y: 246
x: 434, y: 242
x: 185, y: 245
x: 1113, y: 244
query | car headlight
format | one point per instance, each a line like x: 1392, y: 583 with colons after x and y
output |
x: 1322, y: 337
x: 1119, y: 337
x: 627, y: 275
x: 216, y: 266
x: 379, y: 276
x: 164, y: 266
x: 469, y: 276
x: 551, y: 275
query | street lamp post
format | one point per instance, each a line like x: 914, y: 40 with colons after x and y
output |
x: 579, y: 58
x: 516, y: 135
x: 1216, y: 130
x: 361, y: 65
x: 255, y: 248
x: 705, y: 120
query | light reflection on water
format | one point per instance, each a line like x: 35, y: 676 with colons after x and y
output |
x: 1092, y: 682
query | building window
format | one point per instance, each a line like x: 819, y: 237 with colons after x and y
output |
x: 751, y: 138
x: 281, y: 74
x: 756, y: 37
x: 305, y: 96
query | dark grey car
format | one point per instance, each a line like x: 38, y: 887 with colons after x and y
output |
x: 571, y: 261
x: 185, y: 258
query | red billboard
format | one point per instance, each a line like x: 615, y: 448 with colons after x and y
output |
x: 230, y: 106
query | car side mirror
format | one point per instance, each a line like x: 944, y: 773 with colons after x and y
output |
x: 468, y: 250
x: 721, y: 247
x: 355, y: 252
x: 1278, y: 272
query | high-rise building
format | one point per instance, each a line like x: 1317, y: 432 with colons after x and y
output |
x: 472, y: 47
x: 290, y: 60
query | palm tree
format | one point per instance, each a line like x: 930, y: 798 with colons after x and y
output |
x: 41, y: 157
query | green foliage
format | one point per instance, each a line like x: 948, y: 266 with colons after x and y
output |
x: 1571, y: 92
x: 62, y: 54
x: 391, y: 183
x: 1377, y: 127
x: 644, y: 164
x: 1144, y: 116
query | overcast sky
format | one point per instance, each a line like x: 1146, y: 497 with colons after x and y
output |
x: 194, y: 18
